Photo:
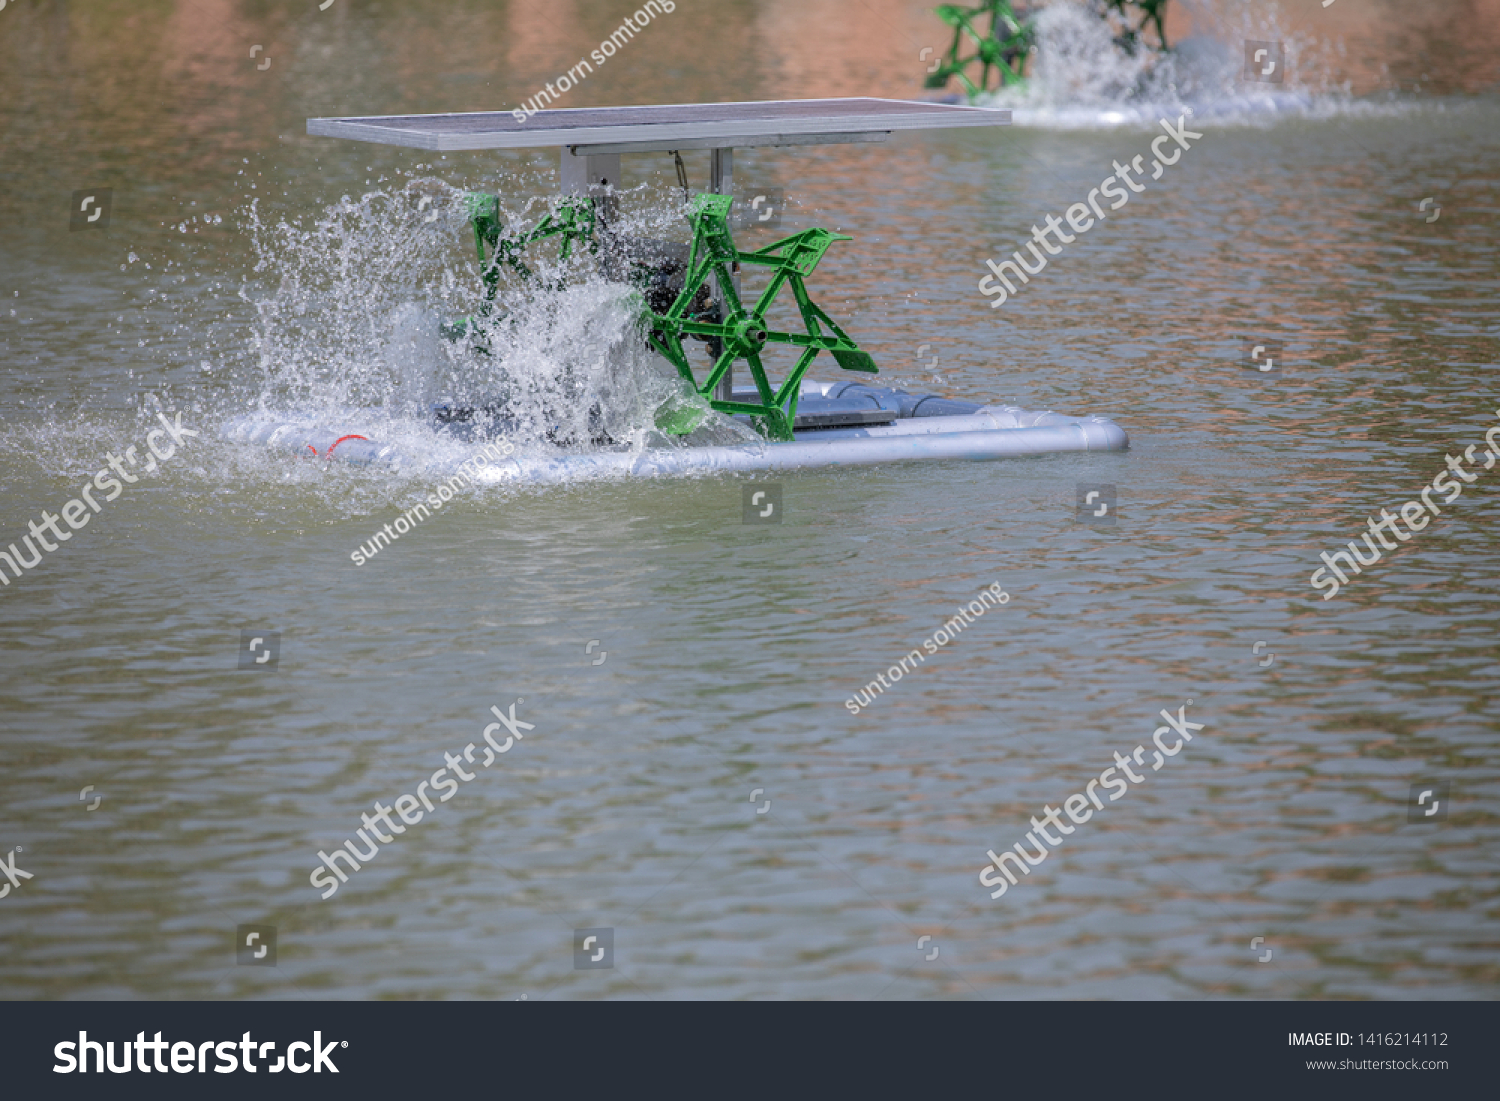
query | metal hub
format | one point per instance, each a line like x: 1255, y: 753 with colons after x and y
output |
x: 747, y: 337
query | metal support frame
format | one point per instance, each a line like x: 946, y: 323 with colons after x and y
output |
x: 592, y: 175
x: 721, y: 171
x: 588, y: 173
x: 721, y: 182
x: 751, y: 142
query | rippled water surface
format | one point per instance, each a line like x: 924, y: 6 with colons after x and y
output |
x: 693, y: 779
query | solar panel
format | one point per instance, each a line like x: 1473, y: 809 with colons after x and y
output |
x: 599, y: 130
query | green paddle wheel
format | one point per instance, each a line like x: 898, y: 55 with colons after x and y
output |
x: 1003, y: 47
x: 679, y: 302
x: 1011, y: 37
x: 1132, y: 38
x: 742, y: 332
x: 574, y: 220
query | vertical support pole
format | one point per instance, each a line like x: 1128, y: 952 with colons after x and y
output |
x: 721, y: 171
x: 721, y: 182
x: 591, y: 175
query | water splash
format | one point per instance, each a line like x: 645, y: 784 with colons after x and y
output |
x: 348, y: 312
x: 339, y: 305
x: 1080, y: 79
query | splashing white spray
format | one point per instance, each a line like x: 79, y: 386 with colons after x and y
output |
x: 1079, y: 77
x: 349, y: 311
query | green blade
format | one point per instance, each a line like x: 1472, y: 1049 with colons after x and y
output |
x: 855, y: 361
